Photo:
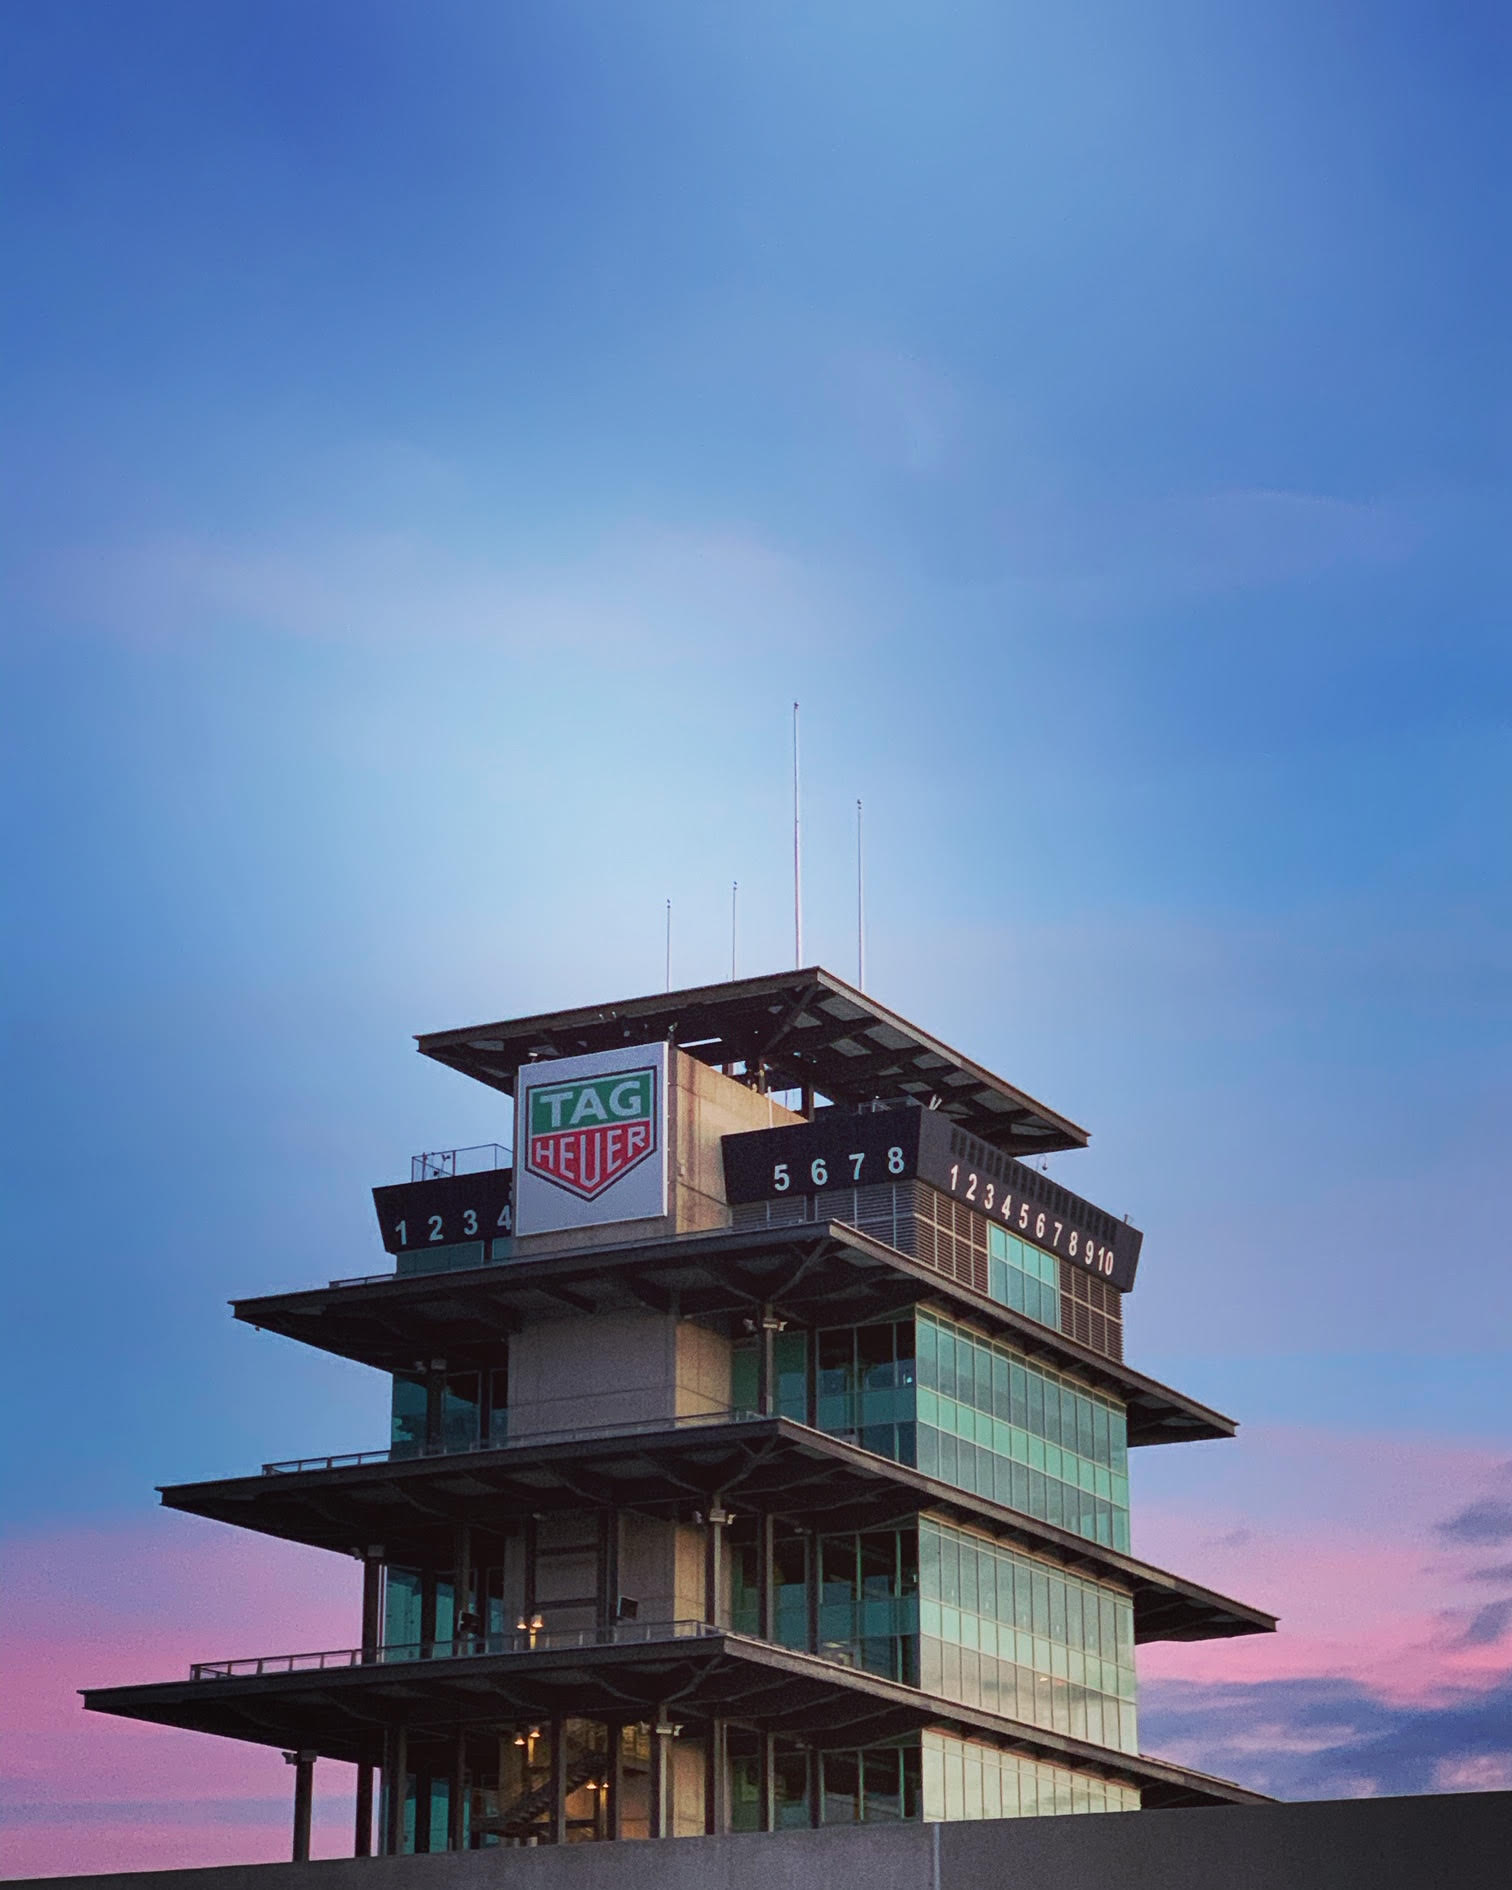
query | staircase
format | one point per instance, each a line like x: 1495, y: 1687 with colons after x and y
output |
x: 524, y: 1816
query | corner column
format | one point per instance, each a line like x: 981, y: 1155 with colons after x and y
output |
x: 304, y: 1801
x: 372, y: 1594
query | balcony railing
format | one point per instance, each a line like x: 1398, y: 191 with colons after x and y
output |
x: 436, y: 1162
x: 408, y: 1453
x: 460, y: 1647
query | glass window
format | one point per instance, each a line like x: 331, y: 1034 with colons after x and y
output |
x: 842, y: 1788
x: 460, y: 1411
x: 407, y: 1431
x: 790, y: 1786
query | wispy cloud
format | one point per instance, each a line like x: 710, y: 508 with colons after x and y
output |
x: 643, y: 592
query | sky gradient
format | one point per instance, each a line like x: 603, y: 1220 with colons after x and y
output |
x: 442, y: 441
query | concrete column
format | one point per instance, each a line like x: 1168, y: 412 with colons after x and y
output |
x: 304, y: 1801
x: 663, y: 1732
x: 716, y: 1782
x: 456, y: 1823
x: 608, y: 1569
x: 435, y: 1394
x: 559, y: 1781
x: 811, y: 1589
x: 615, y: 1808
x: 372, y: 1595
x: 765, y: 1604
x: 766, y: 1815
x: 716, y: 1522
x: 461, y: 1583
x: 766, y: 1361
x: 362, y: 1835
x: 396, y: 1777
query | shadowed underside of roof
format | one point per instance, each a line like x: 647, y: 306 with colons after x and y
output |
x: 793, y: 1030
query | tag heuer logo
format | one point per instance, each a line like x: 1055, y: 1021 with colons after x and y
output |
x: 584, y: 1136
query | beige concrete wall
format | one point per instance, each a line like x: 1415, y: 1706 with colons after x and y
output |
x: 703, y: 1369
x: 703, y: 1106
x: 614, y: 1368
x: 610, y: 1368
x: 661, y: 1564
x: 707, y: 1106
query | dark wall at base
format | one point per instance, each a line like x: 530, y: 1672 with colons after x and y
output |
x: 1452, y: 1842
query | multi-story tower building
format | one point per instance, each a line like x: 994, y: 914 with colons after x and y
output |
x: 758, y: 1459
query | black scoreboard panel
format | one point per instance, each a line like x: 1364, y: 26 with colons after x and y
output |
x: 446, y: 1210
x: 843, y: 1148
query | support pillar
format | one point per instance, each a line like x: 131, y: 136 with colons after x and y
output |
x: 456, y: 1799
x: 559, y: 1781
x: 663, y: 1732
x: 362, y: 1837
x: 766, y: 1361
x: 372, y: 1635
x: 435, y: 1406
x: 716, y: 1522
x: 462, y: 1586
x: 616, y: 1781
x: 766, y: 1626
x: 396, y: 1778
x: 304, y: 1801
x: 716, y: 1782
x: 766, y: 1806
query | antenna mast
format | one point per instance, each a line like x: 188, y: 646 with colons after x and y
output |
x: 734, y: 896
x: 797, y: 857
x: 669, y: 945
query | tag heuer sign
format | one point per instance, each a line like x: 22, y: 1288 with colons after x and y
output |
x: 591, y: 1140
x: 585, y: 1135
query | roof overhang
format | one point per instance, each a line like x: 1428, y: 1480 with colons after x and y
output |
x: 412, y: 1506
x: 795, y: 1030
x: 823, y: 1273
x: 342, y: 1713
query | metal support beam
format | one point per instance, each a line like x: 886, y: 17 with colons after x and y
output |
x: 304, y: 1801
x: 362, y: 1831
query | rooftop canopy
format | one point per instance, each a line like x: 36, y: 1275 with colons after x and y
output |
x: 795, y: 1030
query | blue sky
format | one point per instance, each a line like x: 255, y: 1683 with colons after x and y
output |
x: 443, y: 440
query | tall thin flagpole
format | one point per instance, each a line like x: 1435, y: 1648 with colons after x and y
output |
x: 860, y: 907
x: 669, y: 944
x: 734, y: 896
x: 797, y: 856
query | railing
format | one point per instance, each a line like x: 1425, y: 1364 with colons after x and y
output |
x: 437, y: 1162
x: 407, y: 1453
x: 460, y: 1647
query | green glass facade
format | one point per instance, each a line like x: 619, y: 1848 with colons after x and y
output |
x: 996, y: 1423
x: 1023, y: 1276
x: 965, y: 1778
x: 1014, y: 1635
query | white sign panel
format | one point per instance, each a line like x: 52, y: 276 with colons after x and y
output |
x: 591, y: 1140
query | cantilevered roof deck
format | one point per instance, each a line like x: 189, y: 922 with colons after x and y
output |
x: 413, y: 1505
x: 341, y: 1712
x: 820, y: 1273
x: 798, y: 1029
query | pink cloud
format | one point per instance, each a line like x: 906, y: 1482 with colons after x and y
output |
x: 1340, y: 1536
x: 105, y: 1607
